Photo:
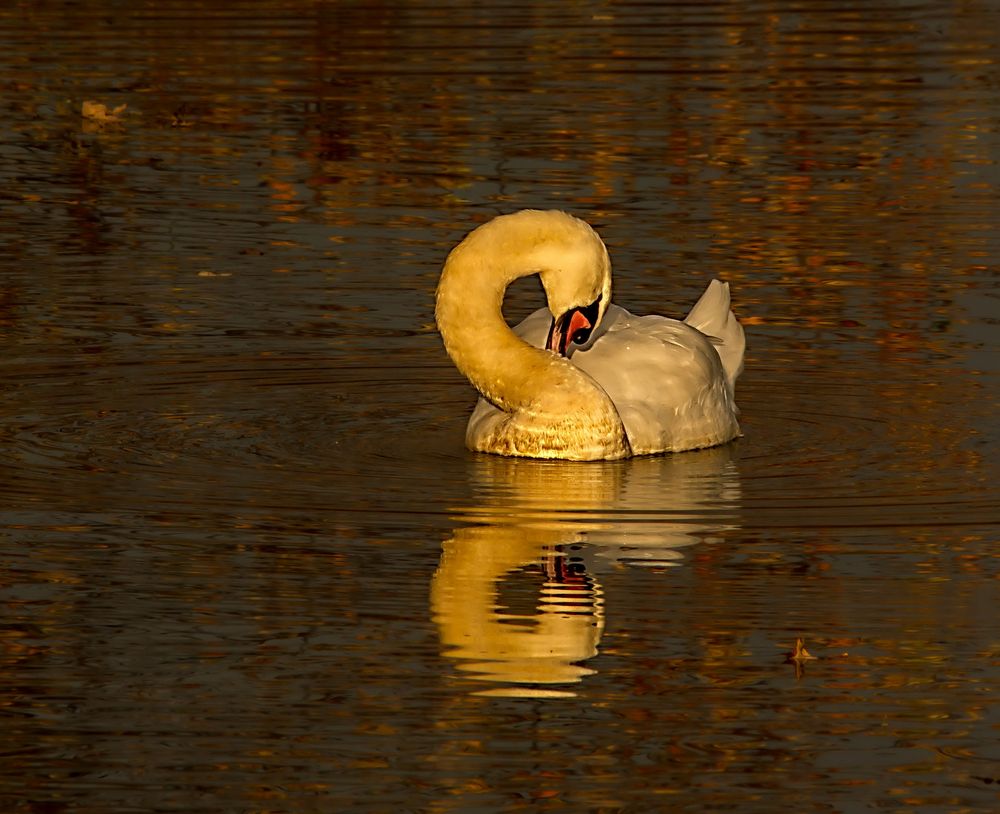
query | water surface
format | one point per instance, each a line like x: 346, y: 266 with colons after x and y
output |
x: 246, y: 563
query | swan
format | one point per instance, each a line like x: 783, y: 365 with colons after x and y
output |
x: 582, y: 379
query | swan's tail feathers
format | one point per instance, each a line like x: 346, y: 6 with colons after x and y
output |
x: 711, y: 315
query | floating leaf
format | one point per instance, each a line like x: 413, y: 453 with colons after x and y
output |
x: 96, y: 112
x: 799, y: 654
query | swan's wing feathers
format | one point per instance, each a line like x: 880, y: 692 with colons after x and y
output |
x: 534, y: 328
x: 712, y: 316
x: 664, y: 376
x: 670, y: 381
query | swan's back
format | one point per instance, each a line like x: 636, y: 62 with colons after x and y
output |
x: 672, y: 382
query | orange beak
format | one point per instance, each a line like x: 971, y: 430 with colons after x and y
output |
x: 573, y: 326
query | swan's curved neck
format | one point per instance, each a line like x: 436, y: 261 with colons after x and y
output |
x: 505, y: 369
x: 540, y: 388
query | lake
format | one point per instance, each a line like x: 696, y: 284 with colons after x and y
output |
x: 247, y: 564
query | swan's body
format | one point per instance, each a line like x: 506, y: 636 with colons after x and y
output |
x: 633, y: 386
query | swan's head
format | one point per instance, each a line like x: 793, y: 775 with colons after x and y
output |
x: 576, y: 276
x: 564, y: 251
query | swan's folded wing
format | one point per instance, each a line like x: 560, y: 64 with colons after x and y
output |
x: 534, y: 328
x: 666, y: 380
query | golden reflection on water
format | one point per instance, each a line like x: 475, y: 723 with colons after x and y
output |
x: 558, y: 525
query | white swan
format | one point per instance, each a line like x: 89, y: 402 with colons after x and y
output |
x: 582, y: 379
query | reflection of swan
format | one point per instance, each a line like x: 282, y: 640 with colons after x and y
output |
x: 632, y: 386
x: 553, y: 527
x: 537, y: 646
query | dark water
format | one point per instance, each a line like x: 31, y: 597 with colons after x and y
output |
x: 246, y: 564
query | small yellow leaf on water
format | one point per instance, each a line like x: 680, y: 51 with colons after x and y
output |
x: 798, y: 657
x: 800, y: 653
x: 97, y: 112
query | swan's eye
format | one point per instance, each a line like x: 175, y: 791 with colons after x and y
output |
x: 589, y: 321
